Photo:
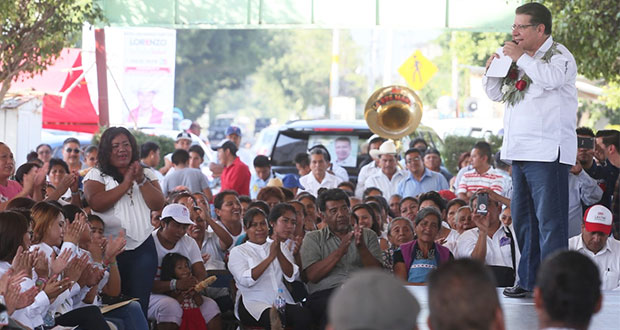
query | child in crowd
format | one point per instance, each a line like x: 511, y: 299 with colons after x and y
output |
x: 176, y: 267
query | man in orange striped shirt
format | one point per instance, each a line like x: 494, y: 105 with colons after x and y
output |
x: 482, y: 175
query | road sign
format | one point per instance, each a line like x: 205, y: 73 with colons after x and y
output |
x: 417, y: 70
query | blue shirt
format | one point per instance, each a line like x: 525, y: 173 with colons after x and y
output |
x: 430, y: 181
x: 420, y: 269
x: 256, y: 183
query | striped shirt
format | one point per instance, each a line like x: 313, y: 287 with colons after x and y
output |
x: 472, y: 181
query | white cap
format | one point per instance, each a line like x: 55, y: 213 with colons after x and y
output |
x: 178, y: 212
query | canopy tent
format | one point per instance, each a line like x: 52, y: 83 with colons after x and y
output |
x: 472, y: 15
x: 63, y: 79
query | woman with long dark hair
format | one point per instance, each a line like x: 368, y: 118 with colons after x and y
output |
x: 123, y: 194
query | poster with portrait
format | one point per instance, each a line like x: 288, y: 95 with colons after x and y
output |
x: 343, y: 149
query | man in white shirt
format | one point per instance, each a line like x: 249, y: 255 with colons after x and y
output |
x: 390, y: 176
x: 172, y: 238
x: 371, y: 168
x: 490, y: 242
x: 318, y: 176
x: 482, y: 175
x: 581, y: 189
x: 594, y: 242
x: 539, y: 136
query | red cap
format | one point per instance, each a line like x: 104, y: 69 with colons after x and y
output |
x: 598, y: 218
x: 447, y: 195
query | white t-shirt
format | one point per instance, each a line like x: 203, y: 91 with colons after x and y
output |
x: 186, y: 247
x: 211, y: 245
x: 129, y: 213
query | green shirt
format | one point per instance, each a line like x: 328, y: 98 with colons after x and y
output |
x: 318, y: 244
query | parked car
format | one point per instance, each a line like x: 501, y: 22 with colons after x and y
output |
x: 298, y: 136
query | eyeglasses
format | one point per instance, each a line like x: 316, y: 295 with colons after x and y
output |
x: 521, y: 26
x: 75, y: 151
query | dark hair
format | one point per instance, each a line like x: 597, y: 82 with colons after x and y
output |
x: 245, y: 199
x: 499, y: 163
x: 219, y: 198
x: 334, y: 194
x: 71, y: 140
x: 278, y: 210
x: 94, y: 217
x: 570, y: 286
x: 197, y: 149
x: 347, y: 184
x: 44, y: 214
x: 57, y: 161
x: 432, y: 151
x: 32, y: 156
x: 610, y: 137
x: 435, y: 197
x: 368, y: 190
x: 343, y: 138
x: 70, y: 211
x: 296, y: 202
x: 462, y: 157
x: 458, y: 201
x: 168, y: 264
x: 305, y: 195
x: 382, y: 201
x: 20, y: 202
x: 408, y: 198
x: 180, y: 156
x: 302, y: 159
x: 423, y: 213
x: 416, y: 141
x: 375, y: 222
x: 230, y: 146
x: 267, y: 192
x: 259, y: 204
x: 105, y: 150
x: 23, y: 169
x: 91, y: 148
x: 13, y: 226
x: 250, y: 214
x: 376, y: 139
x: 43, y: 145
x: 147, y: 147
x: 485, y: 149
x: 288, y: 194
x: 412, y: 151
x: 587, y: 131
x: 539, y: 14
x: 462, y: 295
x: 261, y: 161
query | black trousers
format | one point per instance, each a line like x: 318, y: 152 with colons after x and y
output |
x: 297, y: 317
x: 317, y: 303
x: 87, y: 318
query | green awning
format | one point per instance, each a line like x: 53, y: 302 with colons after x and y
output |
x: 472, y: 15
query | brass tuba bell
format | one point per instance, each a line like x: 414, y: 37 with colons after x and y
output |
x: 393, y: 112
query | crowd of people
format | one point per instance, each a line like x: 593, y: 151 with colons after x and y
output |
x: 313, y: 249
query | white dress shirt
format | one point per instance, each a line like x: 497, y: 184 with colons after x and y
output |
x: 546, y: 119
x: 581, y: 187
x: 340, y: 172
x: 498, y: 247
x: 389, y: 187
x: 366, y: 171
x: 607, y: 260
x: 312, y: 185
x: 261, y: 293
x: 32, y: 315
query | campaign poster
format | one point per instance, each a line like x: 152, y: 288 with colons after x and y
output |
x: 343, y: 149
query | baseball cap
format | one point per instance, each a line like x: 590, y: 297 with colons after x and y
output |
x: 291, y: 181
x: 226, y: 144
x: 184, y: 136
x: 598, y: 218
x: 447, y: 194
x: 178, y: 212
x: 373, y: 300
x: 233, y: 130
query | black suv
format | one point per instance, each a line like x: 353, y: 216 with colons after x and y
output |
x: 343, y: 139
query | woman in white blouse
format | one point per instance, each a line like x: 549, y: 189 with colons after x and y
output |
x: 259, y: 268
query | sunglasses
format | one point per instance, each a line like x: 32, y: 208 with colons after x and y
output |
x: 75, y: 151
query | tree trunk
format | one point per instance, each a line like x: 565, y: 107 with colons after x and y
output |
x: 5, y: 88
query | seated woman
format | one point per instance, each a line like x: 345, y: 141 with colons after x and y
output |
x: 400, y: 231
x: 258, y: 267
x: 418, y: 258
x: 366, y: 216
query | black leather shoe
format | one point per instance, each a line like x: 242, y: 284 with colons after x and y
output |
x: 517, y: 292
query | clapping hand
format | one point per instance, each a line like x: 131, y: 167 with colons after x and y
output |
x: 54, y: 287
x: 75, y: 229
x: 76, y: 267
x: 15, y: 299
x: 116, y: 245
x: 41, y: 264
x: 23, y: 262
x: 60, y: 263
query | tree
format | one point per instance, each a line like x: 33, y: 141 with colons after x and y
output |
x: 34, y: 33
x: 210, y: 60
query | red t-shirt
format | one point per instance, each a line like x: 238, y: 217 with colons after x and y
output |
x: 9, y: 191
x: 236, y: 177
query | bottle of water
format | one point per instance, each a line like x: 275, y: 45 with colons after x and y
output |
x: 281, y: 306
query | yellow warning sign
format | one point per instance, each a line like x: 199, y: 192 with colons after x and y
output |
x: 417, y: 70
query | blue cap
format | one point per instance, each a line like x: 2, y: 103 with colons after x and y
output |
x: 291, y: 181
x: 233, y: 130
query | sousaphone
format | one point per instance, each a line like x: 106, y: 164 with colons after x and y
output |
x: 393, y: 112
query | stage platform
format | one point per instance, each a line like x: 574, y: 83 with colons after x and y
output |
x: 520, y: 313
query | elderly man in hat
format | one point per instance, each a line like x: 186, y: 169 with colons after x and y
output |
x: 370, y: 169
x: 390, y: 176
x: 594, y: 242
